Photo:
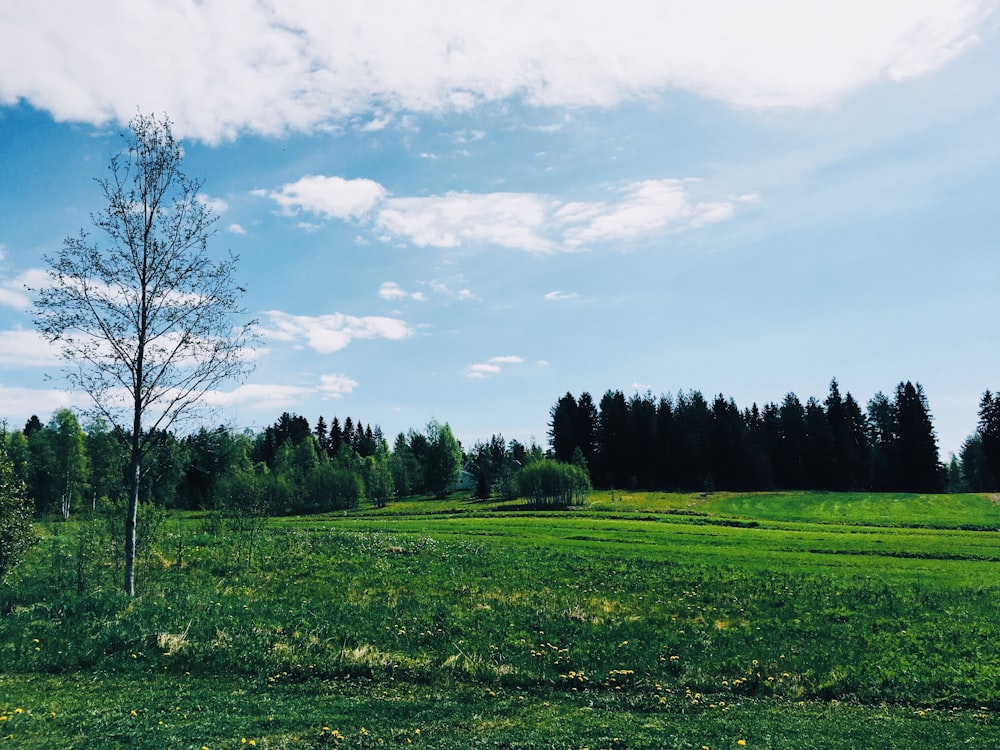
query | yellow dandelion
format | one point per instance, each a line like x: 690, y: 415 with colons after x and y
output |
x: 133, y: 712
x: 741, y: 743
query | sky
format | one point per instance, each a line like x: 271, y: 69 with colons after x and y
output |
x: 461, y: 211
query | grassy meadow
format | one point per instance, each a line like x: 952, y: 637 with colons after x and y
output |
x: 641, y: 620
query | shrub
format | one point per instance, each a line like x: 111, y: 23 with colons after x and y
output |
x: 553, y: 484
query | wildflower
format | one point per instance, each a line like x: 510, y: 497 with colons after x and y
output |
x: 741, y: 743
x: 134, y: 713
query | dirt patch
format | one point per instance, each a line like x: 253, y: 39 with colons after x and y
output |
x: 994, y: 497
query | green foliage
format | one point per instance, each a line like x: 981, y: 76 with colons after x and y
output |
x: 16, y: 532
x: 443, y: 460
x: 332, y: 487
x: 553, y: 484
x: 379, y: 485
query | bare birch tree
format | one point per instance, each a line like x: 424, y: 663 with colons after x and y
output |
x: 147, y: 322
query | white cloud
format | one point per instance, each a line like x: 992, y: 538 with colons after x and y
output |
x: 14, y: 292
x: 376, y: 124
x: 237, y: 229
x: 336, y: 385
x: 557, y: 296
x: 18, y: 404
x: 221, y: 67
x: 390, y: 290
x: 262, y: 396
x: 513, y: 220
x: 543, y: 224
x: 330, y: 197
x: 26, y: 348
x: 265, y: 397
x: 326, y: 334
x: 451, y: 289
x: 532, y: 222
x: 647, y: 207
x: 469, y: 136
x: 215, y: 205
x: 14, y: 298
x: 490, y: 367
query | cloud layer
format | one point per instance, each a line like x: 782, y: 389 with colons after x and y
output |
x: 524, y: 221
x: 221, y: 67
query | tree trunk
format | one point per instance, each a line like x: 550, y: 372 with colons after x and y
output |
x: 130, y: 522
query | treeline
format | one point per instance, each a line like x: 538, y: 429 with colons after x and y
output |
x: 687, y: 442
x: 289, y: 467
x: 682, y: 442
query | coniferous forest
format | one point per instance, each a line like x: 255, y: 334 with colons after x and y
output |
x: 688, y: 442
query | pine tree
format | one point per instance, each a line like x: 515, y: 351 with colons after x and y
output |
x: 989, y: 436
x: 562, y: 428
x: 917, y: 468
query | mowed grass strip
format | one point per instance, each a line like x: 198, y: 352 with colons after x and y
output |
x: 948, y: 556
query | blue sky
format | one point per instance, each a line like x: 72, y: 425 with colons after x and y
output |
x: 461, y: 211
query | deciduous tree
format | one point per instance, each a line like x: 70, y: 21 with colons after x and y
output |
x: 146, y: 320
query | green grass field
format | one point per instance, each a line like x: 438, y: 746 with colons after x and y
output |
x: 637, y: 621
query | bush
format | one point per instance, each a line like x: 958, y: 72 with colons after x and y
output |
x: 553, y: 484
